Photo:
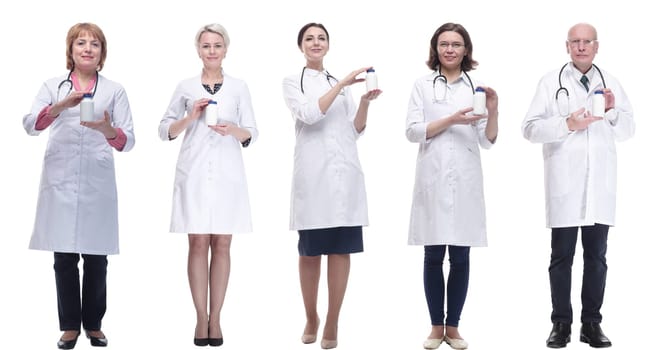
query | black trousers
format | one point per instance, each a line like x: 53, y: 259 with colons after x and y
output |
x: 73, y: 308
x: 563, y: 247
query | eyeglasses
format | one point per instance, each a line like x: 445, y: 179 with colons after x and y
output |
x: 585, y: 42
x: 443, y: 45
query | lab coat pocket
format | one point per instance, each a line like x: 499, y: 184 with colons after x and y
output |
x: 428, y: 169
x: 100, y: 172
x: 104, y: 159
x: 187, y: 156
x: 557, y: 174
x: 55, y: 166
x: 611, y: 172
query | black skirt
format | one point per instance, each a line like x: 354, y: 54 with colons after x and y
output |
x: 334, y: 240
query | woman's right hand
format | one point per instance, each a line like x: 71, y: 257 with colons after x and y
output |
x: 463, y: 116
x: 352, y: 77
x: 178, y: 126
x: 71, y: 100
x: 198, y: 107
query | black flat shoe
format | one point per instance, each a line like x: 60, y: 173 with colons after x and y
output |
x: 560, y: 335
x: 201, y: 341
x: 591, y: 333
x: 67, y: 344
x: 215, y: 341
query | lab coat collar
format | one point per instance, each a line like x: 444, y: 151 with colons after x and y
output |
x: 592, y: 75
x: 462, y: 77
x: 314, y: 73
x: 576, y: 73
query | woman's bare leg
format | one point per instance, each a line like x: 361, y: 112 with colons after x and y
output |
x: 309, y: 278
x: 338, y: 272
x: 197, y: 272
x: 220, y: 269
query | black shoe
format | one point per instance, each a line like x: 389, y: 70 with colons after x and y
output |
x: 67, y: 344
x: 95, y: 341
x: 560, y: 335
x: 201, y: 341
x: 592, y: 334
x: 215, y: 341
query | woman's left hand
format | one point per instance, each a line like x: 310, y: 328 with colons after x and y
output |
x: 492, y: 99
x: 371, y: 95
x: 224, y: 128
x: 104, y: 126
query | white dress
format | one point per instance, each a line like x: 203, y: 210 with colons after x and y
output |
x: 328, y: 186
x: 210, y: 187
x: 77, y: 206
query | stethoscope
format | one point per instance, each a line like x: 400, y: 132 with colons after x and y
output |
x: 562, y: 91
x: 445, y: 86
x: 67, y: 85
x: 326, y: 73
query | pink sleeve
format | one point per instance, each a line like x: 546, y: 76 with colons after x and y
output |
x: 120, y: 141
x: 44, y: 119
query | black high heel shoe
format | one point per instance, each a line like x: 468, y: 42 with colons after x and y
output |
x: 215, y: 341
x: 201, y: 341
x: 96, y: 341
x: 67, y: 344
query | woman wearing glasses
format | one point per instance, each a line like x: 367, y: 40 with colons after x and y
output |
x: 328, y: 202
x: 448, y: 211
x: 77, y: 205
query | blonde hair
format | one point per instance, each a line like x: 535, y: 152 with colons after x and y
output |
x: 213, y: 28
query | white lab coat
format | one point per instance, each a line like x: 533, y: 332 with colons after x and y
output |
x: 580, y: 168
x: 448, y: 196
x: 77, y: 205
x: 328, y: 186
x: 210, y: 187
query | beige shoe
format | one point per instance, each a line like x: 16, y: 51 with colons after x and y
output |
x: 457, y: 344
x: 328, y: 344
x: 309, y: 338
x: 432, y: 343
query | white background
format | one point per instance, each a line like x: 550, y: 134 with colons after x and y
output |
x: 151, y: 48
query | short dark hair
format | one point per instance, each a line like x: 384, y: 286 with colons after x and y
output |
x: 468, y: 63
x: 300, y: 36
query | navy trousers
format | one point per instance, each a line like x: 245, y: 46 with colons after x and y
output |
x: 563, y: 247
x: 435, y: 289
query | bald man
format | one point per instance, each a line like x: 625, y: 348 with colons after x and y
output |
x: 580, y: 165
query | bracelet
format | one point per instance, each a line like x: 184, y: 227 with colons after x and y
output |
x: 246, y: 142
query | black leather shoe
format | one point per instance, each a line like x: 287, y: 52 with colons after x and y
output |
x: 215, y: 341
x: 592, y: 334
x: 96, y: 341
x: 560, y: 335
x: 67, y: 344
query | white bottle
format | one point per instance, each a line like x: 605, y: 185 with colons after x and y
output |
x: 479, y: 102
x: 87, y: 108
x: 212, y: 113
x: 371, y: 80
x: 598, y: 104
